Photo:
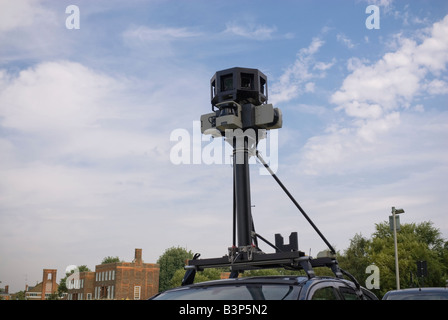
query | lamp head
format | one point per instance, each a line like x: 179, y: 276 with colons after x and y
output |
x: 397, y: 211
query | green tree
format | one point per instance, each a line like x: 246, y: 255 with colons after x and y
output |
x: 170, y: 261
x: 62, y: 288
x: 275, y: 272
x: 110, y: 259
x: 53, y: 296
x: 415, y: 242
x: 20, y: 295
x: 356, y: 257
x: 206, y: 275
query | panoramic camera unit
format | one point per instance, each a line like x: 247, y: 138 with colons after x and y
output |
x: 239, y: 101
x: 239, y: 104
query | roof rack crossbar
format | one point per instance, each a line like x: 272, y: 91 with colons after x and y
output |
x: 295, y: 260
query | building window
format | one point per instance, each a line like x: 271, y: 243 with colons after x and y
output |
x: 137, y: 292
x: 104, y: 294
x: 89, y: 296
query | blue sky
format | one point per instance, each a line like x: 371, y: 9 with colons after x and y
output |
x: 86, y: 117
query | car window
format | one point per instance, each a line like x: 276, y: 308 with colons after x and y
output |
x: 348, y: 293
x: 240, y: 292
x: 368, y: 295
x: 325, y: 293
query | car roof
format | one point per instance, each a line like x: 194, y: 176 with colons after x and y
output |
x: 424, y: 289
x: 415, y: 292
x: 300, y: 281
x: 254, y: 279
x: 286, y: 279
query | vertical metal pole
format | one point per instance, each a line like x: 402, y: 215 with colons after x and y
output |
x: 235, y: 208
x: 242, y: 192
x: 397, y: 271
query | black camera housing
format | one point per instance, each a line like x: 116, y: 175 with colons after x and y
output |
x: 241, y: 85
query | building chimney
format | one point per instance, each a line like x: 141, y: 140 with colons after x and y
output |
x: 138, y: 256
x: 6, y: 289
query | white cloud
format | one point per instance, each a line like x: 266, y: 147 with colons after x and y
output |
x: 437, y: 86
x: 355, y: 63
x: 31, y: 30
x: 54, y: 97
x: 310, y: 86
x: 296, y: 78
x: 383, y: 3
x: 342, y: 38
x: 374, y: 97
x: 386, y: 5
x: 21, y: 13
x: 67, y: 125
x: 154, y: 43
x: 84, y: 154
x: 67, y: 113
x: 322, y: 66
x: 250, y: 31
x: 144, y: 33
x: 74, y: 132
x: 397, y: 78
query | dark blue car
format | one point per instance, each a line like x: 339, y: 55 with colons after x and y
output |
x: 417, y: 294
x: 270, y: 288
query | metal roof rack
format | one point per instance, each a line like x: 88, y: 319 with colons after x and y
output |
x: 247, y: 260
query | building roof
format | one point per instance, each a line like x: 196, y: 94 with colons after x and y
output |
x: 38, y: 288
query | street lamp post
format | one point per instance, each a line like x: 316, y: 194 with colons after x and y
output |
x: 397, y: 271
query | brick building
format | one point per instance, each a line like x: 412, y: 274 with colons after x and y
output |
x: 44, y: 289
x: 134, y: 280
x: 80, y: 285
x: 4, y: 294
